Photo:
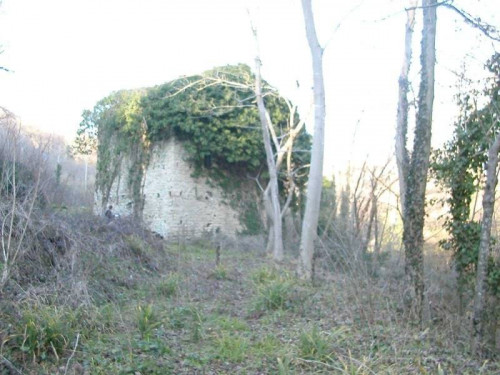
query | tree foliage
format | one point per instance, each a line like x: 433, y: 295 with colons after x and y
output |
x: 459, y: 168
x: 214, y: 114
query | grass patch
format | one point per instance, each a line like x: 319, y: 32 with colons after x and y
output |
x: 230, y: 347
x: 43, y: 333
x: 276, y: 295
x: 168, y: 286
x: 179, y: 317
x: 268, y: 346
x: 265, y: 275
x: 121, y: 354
x: 314, y: 345
x: 231, y: 324
x: 147, y: 321
x: 129, y: 322
x: 274, y: 290
x: 220, y: 273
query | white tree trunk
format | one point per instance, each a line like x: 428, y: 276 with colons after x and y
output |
x: 402, y: 158
x: 276, y: 227
x: 484, y: 246
x: 314, y: 185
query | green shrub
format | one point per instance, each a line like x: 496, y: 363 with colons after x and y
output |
x: 284, y: 365
x: 264, y: 275
x: 136, y: 246
x: 169, y: 286
x: 43, y: 332
x: 314, y: 346
x: 107, y: 316
x: 179, y: 317
x: 197, y: 320
x: 146, y: 321
x: 274, y: 289
x: 276, y: 295
x: 187, y: 318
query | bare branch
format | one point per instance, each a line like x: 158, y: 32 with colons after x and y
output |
x: 346, y: 16
x: 184, y: 88
x: 476, y: 22
x: 72, y: 354
x: 9, y: 365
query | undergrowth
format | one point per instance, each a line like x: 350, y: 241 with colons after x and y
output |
x: 120, y: 301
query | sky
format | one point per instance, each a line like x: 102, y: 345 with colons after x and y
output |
x: 65, y: 55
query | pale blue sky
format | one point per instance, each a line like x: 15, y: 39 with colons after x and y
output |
x: 68, y: 54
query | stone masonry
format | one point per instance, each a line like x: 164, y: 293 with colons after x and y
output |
x: 176, y: 205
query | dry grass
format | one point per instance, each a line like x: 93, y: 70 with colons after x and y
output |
x: 137, y: 305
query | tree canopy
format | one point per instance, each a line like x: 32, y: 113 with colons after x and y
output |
x: 213, y: 114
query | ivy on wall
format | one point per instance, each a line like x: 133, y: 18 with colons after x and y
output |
x: 214, y: 114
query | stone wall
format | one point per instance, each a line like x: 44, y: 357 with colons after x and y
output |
x: 176, y: 205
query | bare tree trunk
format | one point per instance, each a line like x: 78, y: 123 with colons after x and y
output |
x: 402, y: 158
x: 276, y: 227
x: 376, y: 247
x: 372, y: 221
x: 414, y: 210
x: 484, y: 247
x: 373, y: 204
x: 379, y: 237
x: 314, y: 185
x: 268, y: 208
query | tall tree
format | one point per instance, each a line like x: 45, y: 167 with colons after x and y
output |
x: 314, y: 185
x: 416, y: 178
x: 284, y: 148
x: 459, y: 168
x: 485, y: 272
x: 272, y: 194
x: 402, y: 157
x: 484, y: 246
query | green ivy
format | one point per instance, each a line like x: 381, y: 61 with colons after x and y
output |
x: 250, y: 219
x: 215, y: 116
x: 459, y: 169
x: 120, y: 132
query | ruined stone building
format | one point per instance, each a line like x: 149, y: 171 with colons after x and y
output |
x: 178, y: 156
x: 176, y: 204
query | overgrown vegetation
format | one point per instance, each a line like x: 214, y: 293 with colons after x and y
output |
x: 213, y: 114
x: 90, y: 296
x: 150, y: 309
x: 459, y: 168
x: 32, y: 181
